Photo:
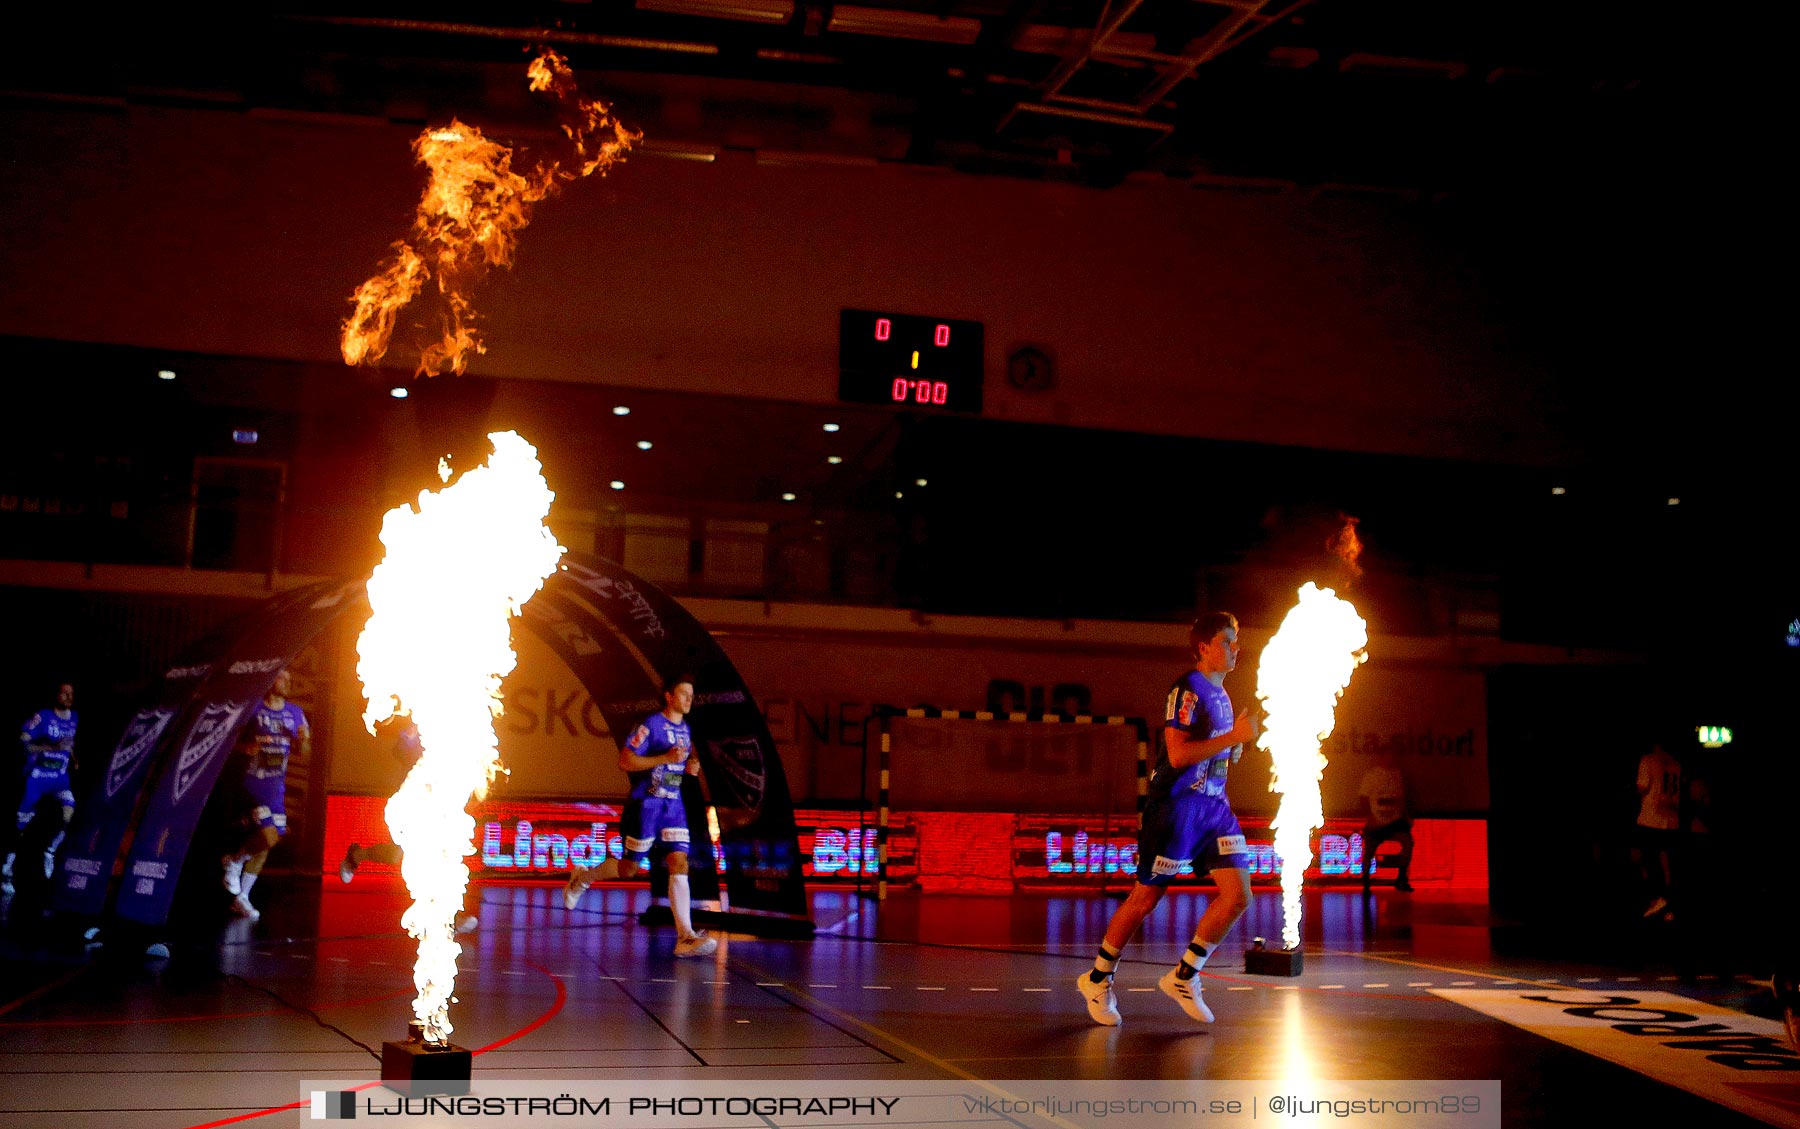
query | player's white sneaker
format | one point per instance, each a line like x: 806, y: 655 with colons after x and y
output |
x: 347, y: 868
x: 1187, y: 994
x: 234, y: 873
x: 1103, y: 1006
x: 575, y: 888
x: 241, y: 906
x: 467, y: 923
x: 698, y: 945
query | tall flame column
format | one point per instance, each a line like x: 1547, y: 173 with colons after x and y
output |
x: 458, y: 566
x: 1303, y: 671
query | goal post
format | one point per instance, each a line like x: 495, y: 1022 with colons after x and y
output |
x: 978, y: 761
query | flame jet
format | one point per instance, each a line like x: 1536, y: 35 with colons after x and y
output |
x: 1304, y: 670
x: 458, y: 566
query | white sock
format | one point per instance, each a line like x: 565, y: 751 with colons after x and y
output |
x: 679, y: 900
x: 244, y: 884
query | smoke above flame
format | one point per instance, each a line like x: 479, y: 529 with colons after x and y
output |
x: 1304, y: 670
x: 458, y: 566
x: 468, y: 220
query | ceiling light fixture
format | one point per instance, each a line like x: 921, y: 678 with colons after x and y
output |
x: 398, y: 392
x: 644, y: 444
x: 616, y: 484
x: 749, y: 11
x: 621, y: 410
x: 854, y: 19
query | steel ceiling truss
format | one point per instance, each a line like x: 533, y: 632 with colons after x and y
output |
x: 1110, y: 44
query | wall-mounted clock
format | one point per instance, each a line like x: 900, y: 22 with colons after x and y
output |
x: 1029, y: 370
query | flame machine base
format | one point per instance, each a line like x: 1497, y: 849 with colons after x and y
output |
x: 416, y: 1068
x: 1259, y: 960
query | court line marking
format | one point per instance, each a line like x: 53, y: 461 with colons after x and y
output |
x: 924, y: 1055
x: 1447, y: 969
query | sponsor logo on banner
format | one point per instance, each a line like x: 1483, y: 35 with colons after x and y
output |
x: 218, y: 721
x: 577, y: 640
x: 636, y: 606
x: 1725, y: 1056
x: 564, y: 628
x: 1231, y: 845
x: 742, y: 764
x: 140, y: 736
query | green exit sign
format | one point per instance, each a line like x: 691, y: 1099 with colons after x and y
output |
x: 1713, y: 736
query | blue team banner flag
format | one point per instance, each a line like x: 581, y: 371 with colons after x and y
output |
x: 91, y: 858
x: 203, y: 742
x: 87, y: 864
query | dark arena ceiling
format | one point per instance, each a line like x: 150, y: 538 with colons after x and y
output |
x: 1408, y: 97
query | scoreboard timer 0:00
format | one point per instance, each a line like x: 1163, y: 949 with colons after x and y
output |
x: 909, y: 360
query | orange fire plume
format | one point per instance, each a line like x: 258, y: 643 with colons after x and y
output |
x: 468, y: 220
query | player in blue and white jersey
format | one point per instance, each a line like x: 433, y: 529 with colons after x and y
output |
x: 48, y: 740
x: 655, y: 757
x: 276, y: 730
x: 1187, y: 819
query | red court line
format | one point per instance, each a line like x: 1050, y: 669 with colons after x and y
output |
x: 562, y: 996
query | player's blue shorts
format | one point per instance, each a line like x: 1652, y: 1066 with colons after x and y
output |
x: 653, y: 823
x: 1200, y: 829
x: 40, y: 784
x: 264, y: 803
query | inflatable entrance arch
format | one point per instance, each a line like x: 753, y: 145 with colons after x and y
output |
x: 619, y: 635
